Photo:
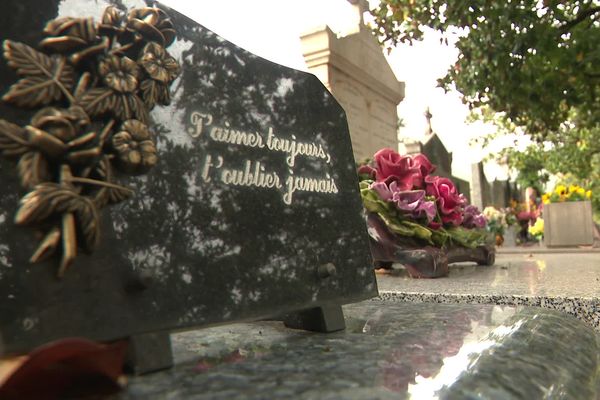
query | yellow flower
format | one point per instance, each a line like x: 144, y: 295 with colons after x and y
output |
x: 588, y: 194
x: 560, y: 190
x: 573, y: 188
x: 538, y: 228
x: 546, y: 198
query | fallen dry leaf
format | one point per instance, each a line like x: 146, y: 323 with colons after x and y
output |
x: 67, y: 368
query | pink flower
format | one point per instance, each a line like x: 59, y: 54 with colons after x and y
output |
x: 448, y: 199
x: 367, y: 170
x: 434, y: 225
x: 525, y: 216
x: 423, y: 163
x: 407, y: 171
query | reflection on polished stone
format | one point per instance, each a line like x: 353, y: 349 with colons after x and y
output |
x: 562, y: 281
x: 389, y: 351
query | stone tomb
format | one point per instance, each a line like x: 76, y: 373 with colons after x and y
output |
x: 237, y: 201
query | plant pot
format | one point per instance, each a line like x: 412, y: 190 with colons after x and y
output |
x: 420, y: 261
x: 568, y: 224
x: 510, y: 236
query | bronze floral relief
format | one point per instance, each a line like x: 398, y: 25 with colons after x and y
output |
x: 90, y: 88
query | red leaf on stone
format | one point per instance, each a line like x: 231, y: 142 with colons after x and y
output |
x: 67, y: 368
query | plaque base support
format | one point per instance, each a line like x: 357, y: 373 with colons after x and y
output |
x: 327, y: 318
x: 149, y: 352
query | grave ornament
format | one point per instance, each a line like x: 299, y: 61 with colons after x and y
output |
x: 90, y: 88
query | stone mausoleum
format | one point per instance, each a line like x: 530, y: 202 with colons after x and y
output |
x: 356, y: 72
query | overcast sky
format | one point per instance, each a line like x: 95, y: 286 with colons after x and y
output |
x: 272, y: 29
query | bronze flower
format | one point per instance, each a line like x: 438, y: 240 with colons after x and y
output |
x: 119, y: 73
x: 62, y: 124
x: 158, y: 63
x: 74, y: 35
x: 59, y: 134
x: 69, y: 33
x: 153, y: 24
x: 112, y: 19
x: 119, y: 94
x: 135, y: 149
x: 64, y: 163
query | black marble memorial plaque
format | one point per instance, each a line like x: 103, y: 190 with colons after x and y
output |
x: 251, y: 211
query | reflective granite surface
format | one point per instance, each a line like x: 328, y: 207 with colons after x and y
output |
x: 389, y: 351
x: 569, y: 282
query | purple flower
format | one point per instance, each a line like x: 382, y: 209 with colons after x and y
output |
x: 408, y: 200
x: 412, y: 203
x: 382, y: 190
x: 472, y: 217
x: 479, y: 221
x: 429, y: 210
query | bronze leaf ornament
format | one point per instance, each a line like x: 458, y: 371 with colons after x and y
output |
x: 90, y: 87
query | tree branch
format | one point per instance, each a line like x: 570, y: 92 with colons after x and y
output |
x: 580, y: 18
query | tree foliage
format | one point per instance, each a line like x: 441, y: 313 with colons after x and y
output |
x: 536, y: 62
x: 531, y: 67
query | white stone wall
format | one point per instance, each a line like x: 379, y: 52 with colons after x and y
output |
x: 356, y: 72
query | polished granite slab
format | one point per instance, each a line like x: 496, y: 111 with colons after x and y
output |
x: 388, y: 351
x: 563, y: 281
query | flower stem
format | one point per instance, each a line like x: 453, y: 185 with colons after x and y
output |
x: 106, y: 131
x: 67, y: 94
x: 99, y: 183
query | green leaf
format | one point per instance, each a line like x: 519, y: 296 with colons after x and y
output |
x: 419, y: 231
x: 439, y: 237
x: 373, y: 202
x: 470, y: 238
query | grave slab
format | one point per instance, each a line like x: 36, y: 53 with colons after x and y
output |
x: 388, y: 351
x: 565, y: 281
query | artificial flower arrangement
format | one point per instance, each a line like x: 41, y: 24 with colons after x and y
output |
x: 562, y: 193
x: 422, y: 208
x: 498, y: 220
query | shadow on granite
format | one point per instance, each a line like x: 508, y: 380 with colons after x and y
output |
x: 562, y: 281
x: 389, y: 351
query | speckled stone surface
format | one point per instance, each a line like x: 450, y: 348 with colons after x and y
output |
x: 568, y: 282
x: 388, y: 351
